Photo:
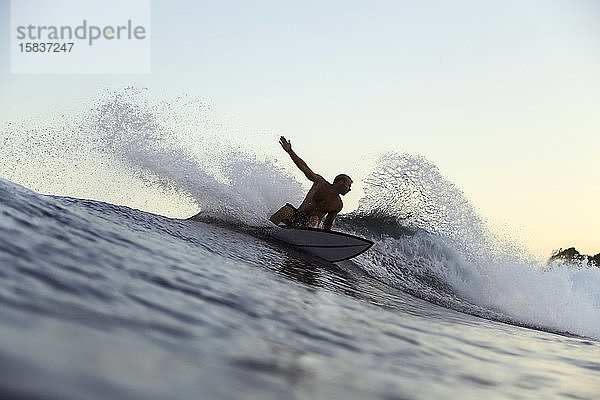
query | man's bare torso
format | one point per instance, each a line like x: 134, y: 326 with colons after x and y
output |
x: 320, y: 200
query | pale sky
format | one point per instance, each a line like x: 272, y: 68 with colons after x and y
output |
x: 503, y: 96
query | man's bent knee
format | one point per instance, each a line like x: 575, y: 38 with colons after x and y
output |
x: 283, y: 213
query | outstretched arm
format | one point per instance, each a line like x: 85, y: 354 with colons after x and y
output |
x: 287, y: 146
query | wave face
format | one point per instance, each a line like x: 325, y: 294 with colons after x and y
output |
x: 430, y: 241
x: 103, y: 301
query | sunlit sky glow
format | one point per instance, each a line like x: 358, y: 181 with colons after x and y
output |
x: 503, y: 96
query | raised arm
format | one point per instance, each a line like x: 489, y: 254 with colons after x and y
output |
x: 287, y: 146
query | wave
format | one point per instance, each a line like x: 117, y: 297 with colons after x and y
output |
x: 174, y: 148
x: 432, y: 243
x: 430, y: 240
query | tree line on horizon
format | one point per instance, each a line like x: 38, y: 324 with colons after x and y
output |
x: 572, y: 255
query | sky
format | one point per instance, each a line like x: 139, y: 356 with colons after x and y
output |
x: 503, y: 96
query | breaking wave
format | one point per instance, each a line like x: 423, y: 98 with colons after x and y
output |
x: 430, y: 240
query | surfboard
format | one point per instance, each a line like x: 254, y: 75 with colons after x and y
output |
x: 329, y: 245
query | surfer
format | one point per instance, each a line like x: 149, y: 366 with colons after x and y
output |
x: 322, y: 198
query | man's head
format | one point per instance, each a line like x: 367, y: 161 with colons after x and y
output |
x: 341, y: 184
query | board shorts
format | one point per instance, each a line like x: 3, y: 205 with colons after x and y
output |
x: 297, y: 220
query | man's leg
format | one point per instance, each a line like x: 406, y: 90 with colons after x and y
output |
x: 283, y: 213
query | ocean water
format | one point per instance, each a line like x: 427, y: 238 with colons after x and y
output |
x: 104, y: 301
x: 99, y: 300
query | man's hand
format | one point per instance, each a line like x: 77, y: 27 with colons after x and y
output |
x: 286, y: 144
